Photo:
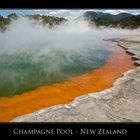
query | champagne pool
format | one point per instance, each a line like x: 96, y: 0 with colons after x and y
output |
x: 42, y: 67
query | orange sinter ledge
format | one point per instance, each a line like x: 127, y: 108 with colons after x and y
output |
x: 62, y: 93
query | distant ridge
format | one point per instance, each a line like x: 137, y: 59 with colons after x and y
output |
x: 122, y: 20
x: 45, y: 19
x: 91, y: 15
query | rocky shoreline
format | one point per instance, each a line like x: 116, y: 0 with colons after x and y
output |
x: 120, y: 103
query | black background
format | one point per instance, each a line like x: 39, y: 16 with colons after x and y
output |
x: 69, y: 4
x: 6, y: 129
x: 133, y: 129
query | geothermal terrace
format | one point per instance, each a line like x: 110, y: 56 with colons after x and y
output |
x: 120, y: 103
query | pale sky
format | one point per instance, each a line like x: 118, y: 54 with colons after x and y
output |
x: 67, y: 13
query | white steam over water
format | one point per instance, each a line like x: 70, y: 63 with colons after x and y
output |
x: 24, y: 35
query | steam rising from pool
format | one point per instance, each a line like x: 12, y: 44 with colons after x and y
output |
x: 32, y: 55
